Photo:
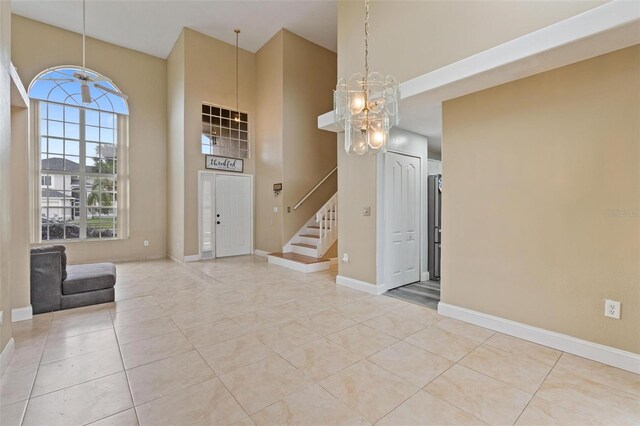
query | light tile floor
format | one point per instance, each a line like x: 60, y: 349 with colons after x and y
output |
x: 238, y: 341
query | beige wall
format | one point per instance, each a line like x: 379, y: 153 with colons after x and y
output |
x: 20, y: 273
x: 5, y: 171
x: 175, y: 149
x: 269, y: 136
x: 295, y: 79
x: 356, y: 233
x: 142, y: 77
x: 408, y: 39
x: 308, y: 153
x: 532, y: 170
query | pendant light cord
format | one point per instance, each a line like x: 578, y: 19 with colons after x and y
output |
x: 237, y: 31
x: 84, y: 18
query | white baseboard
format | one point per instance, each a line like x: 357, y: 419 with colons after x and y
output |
x: 21, y: 314
x: 261, y: 253
x: 192, y: 258
x: 7, y: 355
x: 594, y: 351
x: 424, y: 276
x: 300, y: 267
x: 359, y: 285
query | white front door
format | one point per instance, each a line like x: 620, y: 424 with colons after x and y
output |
x: 402, y: 212
x: 233, y: 215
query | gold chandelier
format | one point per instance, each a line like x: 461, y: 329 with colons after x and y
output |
x: 366, y: 105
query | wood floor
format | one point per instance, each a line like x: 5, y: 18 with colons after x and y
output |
x: 307, y: 260
x: 425, y: 293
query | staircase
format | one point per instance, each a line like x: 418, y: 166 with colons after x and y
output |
x: 305, y: 251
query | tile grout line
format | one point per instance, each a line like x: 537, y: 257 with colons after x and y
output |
x: 26, y: 408
x: 536, y: 392
x: 126, y: 375
x: 213, y: 372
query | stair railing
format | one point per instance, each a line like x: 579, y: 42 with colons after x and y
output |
x: 327, y: 219
x: 335, y: 169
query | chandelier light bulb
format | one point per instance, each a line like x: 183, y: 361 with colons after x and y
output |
x: 360, y: 147
x: 357, y: 103
x: 377, y: 139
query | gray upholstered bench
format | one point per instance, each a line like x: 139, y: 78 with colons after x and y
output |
x: 56, y: 286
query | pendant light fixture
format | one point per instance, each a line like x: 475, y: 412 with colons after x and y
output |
x: 237, y: 117
x: 366, y: 105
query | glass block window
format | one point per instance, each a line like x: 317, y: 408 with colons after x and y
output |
x: 225, y: 132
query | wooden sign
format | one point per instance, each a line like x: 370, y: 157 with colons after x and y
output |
x: 224, y: 163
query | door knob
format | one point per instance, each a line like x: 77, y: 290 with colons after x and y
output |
x: 218, y: 222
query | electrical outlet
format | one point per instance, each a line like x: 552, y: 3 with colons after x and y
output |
x: 275, y: 210
x: 345, y: 258
x: 612, y: 309
x: 146, y: 243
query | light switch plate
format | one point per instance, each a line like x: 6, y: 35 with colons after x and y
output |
x: 366, y: 211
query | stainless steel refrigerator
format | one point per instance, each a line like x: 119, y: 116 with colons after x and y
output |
x: 434, y: 224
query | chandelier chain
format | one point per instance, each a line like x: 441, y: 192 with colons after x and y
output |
x: 366, y: 42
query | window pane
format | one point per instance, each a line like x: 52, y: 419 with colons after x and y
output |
x: 56, y: 146
x: 93, y: 149
x: 106, y: 120
x: 106, y: 135
x: 71, y: 163
x: 55, y: 112
x: 92, y: 117
x: 55, y: 128
x: 71, y: 114
x: 72, y: 131
x: 90, y: 165
x: 109, y: 166
x: 72, y: 147
x: 92, y: 133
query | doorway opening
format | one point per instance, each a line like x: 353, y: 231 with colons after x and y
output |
x: 427, y: 292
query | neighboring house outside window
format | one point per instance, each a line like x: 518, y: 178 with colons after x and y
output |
x: 81, y: 146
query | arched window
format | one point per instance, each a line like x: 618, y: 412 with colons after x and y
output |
x: 80, y: 123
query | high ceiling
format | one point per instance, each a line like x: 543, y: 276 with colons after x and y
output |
x: 154, y: 26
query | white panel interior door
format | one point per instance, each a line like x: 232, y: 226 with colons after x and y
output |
x: 402, y: 211
x: 207, y: 219
x: 233, y: 215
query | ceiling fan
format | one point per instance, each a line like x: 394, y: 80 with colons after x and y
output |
x: 85, y: 77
